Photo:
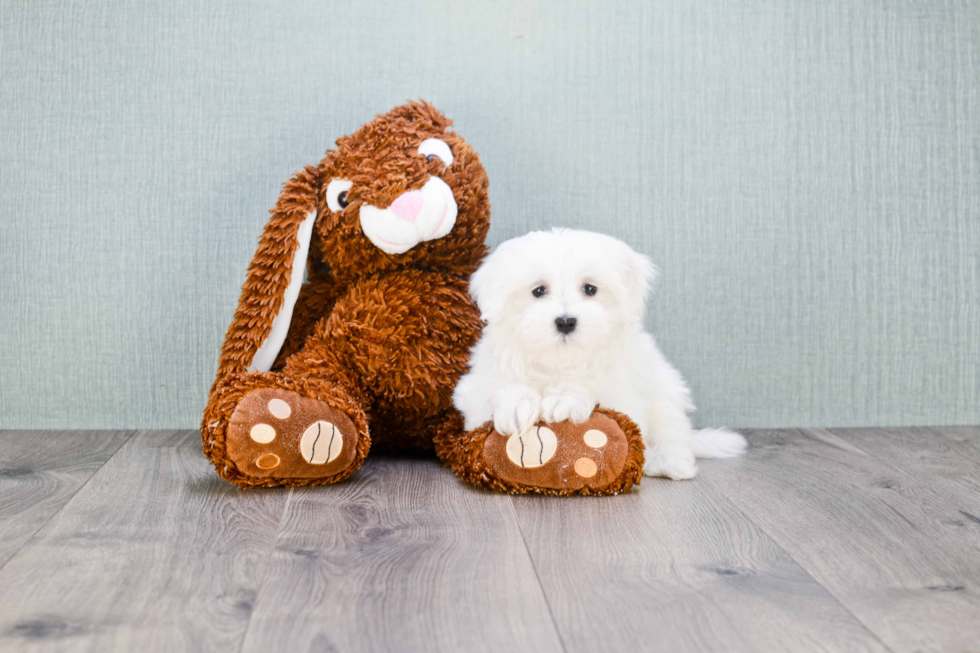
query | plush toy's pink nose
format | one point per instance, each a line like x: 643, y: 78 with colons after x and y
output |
x: 407, y: 205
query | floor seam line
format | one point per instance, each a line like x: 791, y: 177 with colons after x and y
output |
x: 129, y: 438
x: 537, y: 577
x: 840, y: 433
x: 799, y: 564
x: 268, y: 565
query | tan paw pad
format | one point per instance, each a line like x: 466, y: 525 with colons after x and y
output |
x: 532, y: 448
x: 267, y: 461
x: 595, y: 438
x: 586, y: 467
x: 321, y: 443
x: 279, y: 408
x: 262, y: 433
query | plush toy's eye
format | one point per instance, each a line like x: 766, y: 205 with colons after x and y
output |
x: 540, y: 291
x: 589, y: 289
x: 337, y: 194
x: 433, y: 147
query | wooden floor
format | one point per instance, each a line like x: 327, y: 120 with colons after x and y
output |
x: 844, y: 540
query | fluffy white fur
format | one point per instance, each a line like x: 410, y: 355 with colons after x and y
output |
x: 524, y: 369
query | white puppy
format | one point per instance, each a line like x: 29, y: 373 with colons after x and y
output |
x: 563, y: 313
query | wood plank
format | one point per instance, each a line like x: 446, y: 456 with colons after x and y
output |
x: 40, y: 471
x: 891, y: 547
x: 155, y: 553
x: 673, y: 566
x: 947, y: 458
x: 404, y: 558
x: 966, y: 439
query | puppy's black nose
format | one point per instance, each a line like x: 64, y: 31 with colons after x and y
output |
x: 565, y: 324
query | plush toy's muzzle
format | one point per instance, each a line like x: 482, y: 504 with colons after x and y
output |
x: 415, y: 216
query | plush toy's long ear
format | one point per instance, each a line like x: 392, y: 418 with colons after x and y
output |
x: 273, y: 282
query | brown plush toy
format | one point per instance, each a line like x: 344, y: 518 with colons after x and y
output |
x: 355, y: 324
x: 364, y: 353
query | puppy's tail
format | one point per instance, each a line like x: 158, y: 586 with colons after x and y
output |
x: 718, y: 443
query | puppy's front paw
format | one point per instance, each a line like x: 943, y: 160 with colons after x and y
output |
x: 675, y: 461
x: 567, y: 403
x: 516, y: 408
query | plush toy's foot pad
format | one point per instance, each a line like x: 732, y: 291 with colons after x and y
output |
x: 565, y: 457
x: 279, y: 434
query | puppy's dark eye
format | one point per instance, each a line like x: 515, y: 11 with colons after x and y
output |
x: 342, y: 200
x: 540, y: 291
x: 431, y: 158
x: 589, y: 289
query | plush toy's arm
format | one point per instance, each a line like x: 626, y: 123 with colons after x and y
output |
x: 273, y: 282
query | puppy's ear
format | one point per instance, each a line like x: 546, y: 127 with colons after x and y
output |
x: 486, y: 284
x: 639, y: 274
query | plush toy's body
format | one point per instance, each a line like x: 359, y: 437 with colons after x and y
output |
x: 366, y: 352
x: 355, y: 324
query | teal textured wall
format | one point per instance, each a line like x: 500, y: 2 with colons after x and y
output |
x: 806, y: 175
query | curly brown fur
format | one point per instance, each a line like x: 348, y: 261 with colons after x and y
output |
x: 463, y: 452
x: 381, y: 337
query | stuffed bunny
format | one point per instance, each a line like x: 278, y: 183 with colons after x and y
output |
x: 354, y: 322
